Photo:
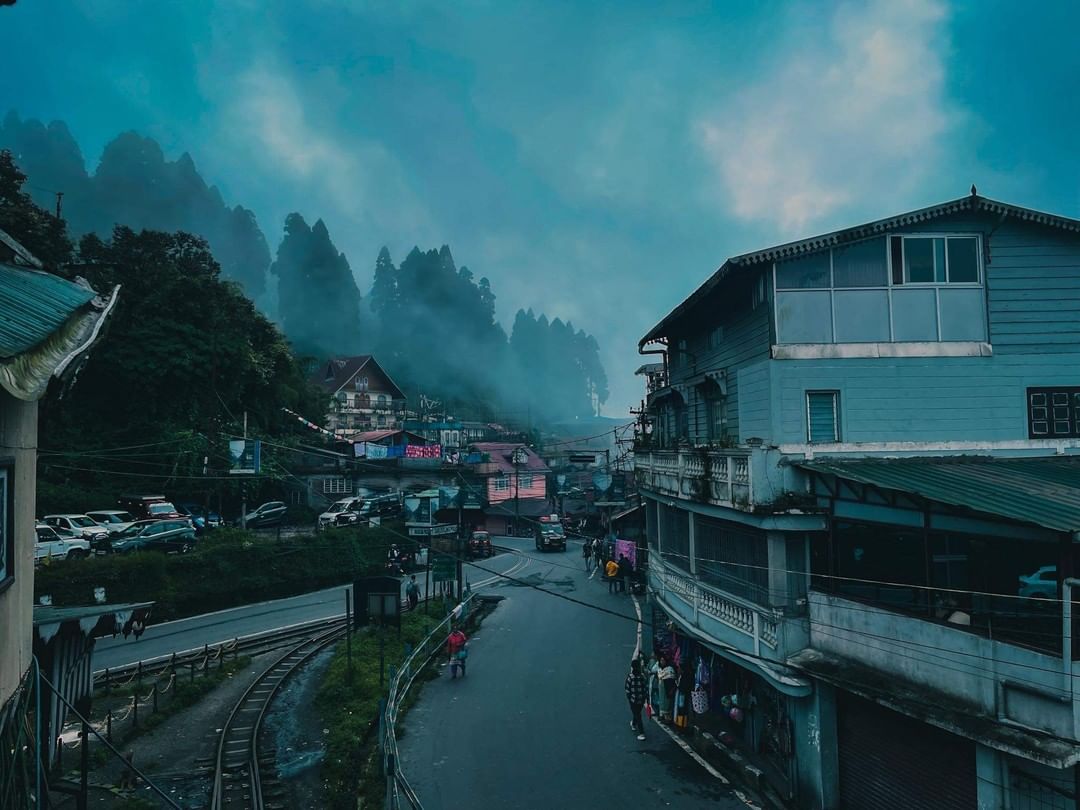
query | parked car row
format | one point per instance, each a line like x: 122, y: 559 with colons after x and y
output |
x: 356, y: 511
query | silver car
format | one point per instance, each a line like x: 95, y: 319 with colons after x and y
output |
x: 79, y: 525
x: 113, y: 521
x: 51, y: 544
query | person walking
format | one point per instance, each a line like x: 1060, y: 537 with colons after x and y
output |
x: 455, y: 647
x: 635, y: 696
x: 586, y: 552
x: 412, y: 592
x: 597, y: 552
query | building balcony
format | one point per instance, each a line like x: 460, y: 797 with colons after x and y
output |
x: 717, y: 477
x: 733, y: 622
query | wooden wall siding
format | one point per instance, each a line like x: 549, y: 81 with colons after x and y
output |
x: 746, y: 341
x: 930, y: 399
x: 755, y: 401
x: 538, y: 489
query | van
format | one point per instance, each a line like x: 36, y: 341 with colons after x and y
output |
x: 149, y: 507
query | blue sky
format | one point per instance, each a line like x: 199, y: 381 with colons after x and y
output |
x: 596, y: 160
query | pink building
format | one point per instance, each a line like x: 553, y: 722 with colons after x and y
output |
x: 512, y: 488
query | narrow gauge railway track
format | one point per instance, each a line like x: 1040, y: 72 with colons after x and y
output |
x: 237, y: 780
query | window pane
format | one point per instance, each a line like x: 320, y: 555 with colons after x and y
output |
x: 939, y: 260
x: 822, y: 416
x: 963, y: 260
x: 918, y: 261
x: 809, y: 272
x: 860, y: 265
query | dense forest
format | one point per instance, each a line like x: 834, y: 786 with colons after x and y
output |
x: 432, y: 325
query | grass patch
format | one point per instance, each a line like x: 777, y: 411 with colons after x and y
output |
x: 352, y: 766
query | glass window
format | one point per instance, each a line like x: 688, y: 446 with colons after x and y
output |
x: 717, y: 407
x: 883, y: 564
x: 863, y: 264
x: 502, y: 483
x: 1053, y: 413
x: 920, y: 256
x: 732, y: 559
x: 963, y: 260
x: 675, y: 536
x: 805, y: 273
x: 822, y: 416
x: 7, y: 528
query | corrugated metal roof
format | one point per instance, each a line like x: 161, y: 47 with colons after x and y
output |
x: 878, y: 227
x: 1039, y: 491
x: 33, y: 305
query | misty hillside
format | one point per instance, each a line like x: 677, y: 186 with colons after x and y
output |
x: 431, y: 324
x: 134, y: 185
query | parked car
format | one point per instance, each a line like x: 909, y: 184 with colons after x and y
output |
x: 109, y: 544
x: 51, y: 544
x: 269, y: 514
x: 113, y: 521
x: 160, y: 535
x: 149, y: 506
x: 479, y: 545
x: 549, y: 533
x: 388, y: 505
x: 1040, y: 585
x: 200, y: 517
x: 341, y: 513
x: 79, y: 525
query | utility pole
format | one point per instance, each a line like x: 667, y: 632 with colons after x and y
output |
x: 243, y: 487
x: 59, y: 203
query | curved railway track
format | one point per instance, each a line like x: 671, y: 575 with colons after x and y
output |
x: 237, y: 778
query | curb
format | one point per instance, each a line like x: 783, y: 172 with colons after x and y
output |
x: 734, y: 764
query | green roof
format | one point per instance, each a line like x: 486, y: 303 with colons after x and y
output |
x: 1039, y: 491
x: 49, y: 614
x: 34, y: 305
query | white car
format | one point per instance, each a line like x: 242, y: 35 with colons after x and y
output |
x: 79, y: 525
x: 113, y: 521
x: 341, y: 513
x: 1040, y: 585
x: 51, y: 544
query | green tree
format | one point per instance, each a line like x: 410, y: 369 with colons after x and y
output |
x: 33, y: 227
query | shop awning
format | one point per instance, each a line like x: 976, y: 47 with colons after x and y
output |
x: 1039, y: 491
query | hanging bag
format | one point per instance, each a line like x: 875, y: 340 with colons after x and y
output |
x: 699, y: 699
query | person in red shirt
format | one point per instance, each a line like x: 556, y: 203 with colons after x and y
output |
x: 455, y: 646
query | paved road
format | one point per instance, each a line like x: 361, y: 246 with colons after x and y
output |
x: 541, y: 720
x: 225, y: 625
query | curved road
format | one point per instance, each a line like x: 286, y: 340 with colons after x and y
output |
x: 225, y: 625
x: 541, y: 719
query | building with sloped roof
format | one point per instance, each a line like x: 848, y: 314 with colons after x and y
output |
x: 48, y: 326
x: 363, y: 396
x: 860, y: 472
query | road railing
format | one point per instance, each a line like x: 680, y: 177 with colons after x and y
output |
x: 399, y: 793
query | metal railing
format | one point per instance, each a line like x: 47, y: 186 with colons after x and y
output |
x: 399, y: 792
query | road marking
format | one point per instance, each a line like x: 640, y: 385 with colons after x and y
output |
x: 640, y: 621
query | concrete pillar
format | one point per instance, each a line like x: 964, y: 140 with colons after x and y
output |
x: 691, y: 525
x: 816, y: 755
x: 992, y: 776
x: 778, y: 568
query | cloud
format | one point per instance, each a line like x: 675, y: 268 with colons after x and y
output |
x: 294, y: 135
x: 854, y: 108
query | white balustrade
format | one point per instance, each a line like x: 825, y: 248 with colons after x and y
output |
x: 719, y: 477
x: 761, y: 625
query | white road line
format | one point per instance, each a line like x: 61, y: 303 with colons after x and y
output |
x: 637, y: 609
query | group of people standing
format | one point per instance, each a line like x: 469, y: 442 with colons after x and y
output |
x: 620, y: 574
x: 658, y: 693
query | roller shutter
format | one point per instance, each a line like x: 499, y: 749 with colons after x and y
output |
x: 889, y: 760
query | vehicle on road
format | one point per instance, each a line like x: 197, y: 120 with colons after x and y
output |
x: 388, y: 505
x: 113, y: 521
x: 269, y: 514
x: 51, y: 544
x: 79, y: 525
x: 479, y: 545
x: 1040, y: 585
x: 147, y: 507
x: 158, y: 535
x: 549, y: 533
x: 345, y: 512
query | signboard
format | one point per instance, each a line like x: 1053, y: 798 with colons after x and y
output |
x: 245, y: 456
x: 417, y: 510
x: 582, y: 458
x: 610, y: 490
x: 449, y: 497
x: 443, y: 567
x: 432, y: 531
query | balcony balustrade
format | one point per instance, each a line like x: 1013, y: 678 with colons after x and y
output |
x: 718, y: 477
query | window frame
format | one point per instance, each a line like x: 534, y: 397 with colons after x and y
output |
x: 890, y: 285
x: 1072, y: 391
x: 837, y: 433
x: 502, y: 482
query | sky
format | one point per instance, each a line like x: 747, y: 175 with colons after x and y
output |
x: 597, y: 161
